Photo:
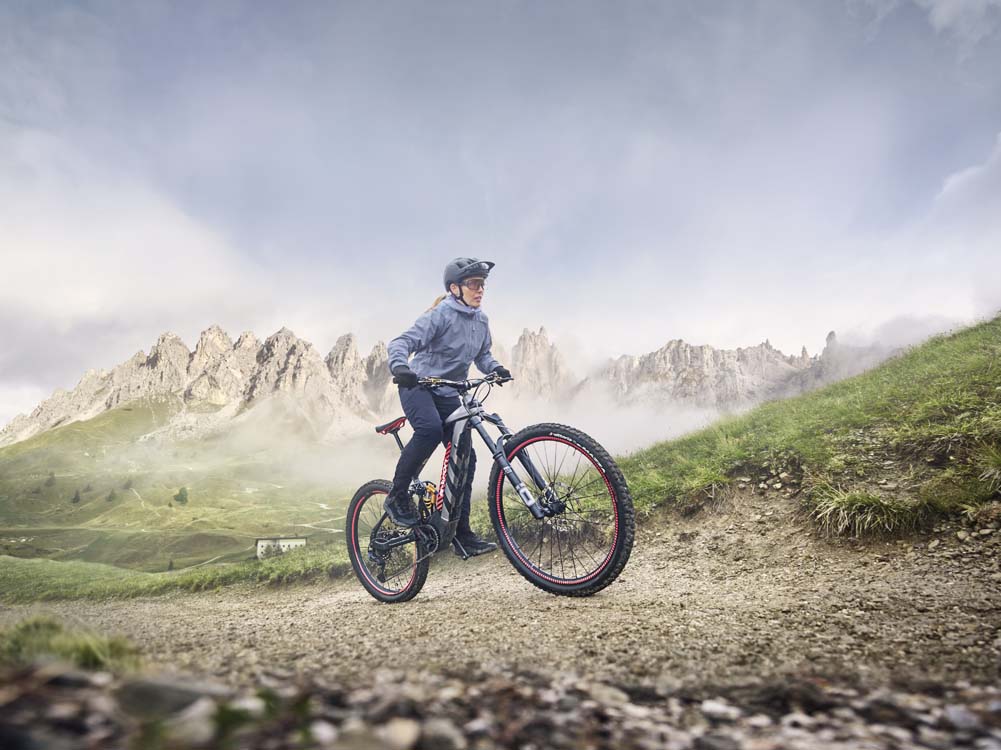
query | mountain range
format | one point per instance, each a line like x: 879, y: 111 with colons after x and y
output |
x: 222, y: 380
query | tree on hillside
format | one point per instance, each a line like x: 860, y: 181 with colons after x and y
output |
x: 112, y: 496
x: 88, y: 488
x: 76, y: 497
x: 51, y: 480
x: 170, y: 565
x: 127, y: 485
x: 182, y: 496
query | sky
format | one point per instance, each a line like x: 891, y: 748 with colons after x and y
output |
x: 720, y: 172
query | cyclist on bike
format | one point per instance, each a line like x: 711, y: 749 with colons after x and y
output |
x: 449, y: 336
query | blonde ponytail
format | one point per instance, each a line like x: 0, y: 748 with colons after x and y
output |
x: 436, y: 303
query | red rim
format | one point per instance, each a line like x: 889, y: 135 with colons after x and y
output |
x: 514, y: 547
x: 358, y: 554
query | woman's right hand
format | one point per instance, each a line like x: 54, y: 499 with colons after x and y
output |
x: 404, y: 377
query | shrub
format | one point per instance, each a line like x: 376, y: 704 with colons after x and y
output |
x: 51, y: 480
x: 182, y: 496
x: 112, y: 496
x: 76, y: 497
x: 127, y: 485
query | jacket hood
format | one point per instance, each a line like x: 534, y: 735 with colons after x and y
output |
x: 456, y: 305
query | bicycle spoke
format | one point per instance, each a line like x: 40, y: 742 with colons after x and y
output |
x: 575, y: 542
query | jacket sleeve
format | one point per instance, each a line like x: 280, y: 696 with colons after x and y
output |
x: 414, y: 339
x: 485, y: 361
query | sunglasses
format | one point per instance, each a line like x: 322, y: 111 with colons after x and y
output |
x: 474, y: 284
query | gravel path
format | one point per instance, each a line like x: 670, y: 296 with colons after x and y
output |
x: 731, y: 597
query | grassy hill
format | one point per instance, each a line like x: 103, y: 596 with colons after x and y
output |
x: 917, y: 438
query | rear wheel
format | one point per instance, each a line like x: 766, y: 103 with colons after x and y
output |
x: 585, y: 545
x: 390, y: 573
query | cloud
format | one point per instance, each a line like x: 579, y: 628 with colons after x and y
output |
x: 969, y: 20
x: 83, y: 241
x: 96, y: 263
x: 965, y: 223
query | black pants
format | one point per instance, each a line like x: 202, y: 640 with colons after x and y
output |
x: 427, y: 412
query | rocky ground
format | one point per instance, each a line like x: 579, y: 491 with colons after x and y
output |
x: 734, y: 628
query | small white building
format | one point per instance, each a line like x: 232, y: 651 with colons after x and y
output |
x: 278, y: 545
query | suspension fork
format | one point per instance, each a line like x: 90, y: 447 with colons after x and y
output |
x: 537, y: 509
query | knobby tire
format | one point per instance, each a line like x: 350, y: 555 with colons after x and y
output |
x: 600, y: 518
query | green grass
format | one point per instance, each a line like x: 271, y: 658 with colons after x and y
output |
x: 46, y: 637
x: 38, y: 579
x: 926, y: 423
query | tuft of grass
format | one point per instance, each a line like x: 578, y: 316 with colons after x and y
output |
x: 46, y: 637
x: 859, y: 513
x: 988, y: 461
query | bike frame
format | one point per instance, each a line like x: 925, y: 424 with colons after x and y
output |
x: 471, y: 415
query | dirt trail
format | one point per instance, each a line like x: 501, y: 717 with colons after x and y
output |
x: 733, y: 596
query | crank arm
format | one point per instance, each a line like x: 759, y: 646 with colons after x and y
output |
x: 399, y: 541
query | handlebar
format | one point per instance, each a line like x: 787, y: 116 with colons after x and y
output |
x: 460, y: 385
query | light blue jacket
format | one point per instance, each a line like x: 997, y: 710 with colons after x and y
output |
x: 446, y: 339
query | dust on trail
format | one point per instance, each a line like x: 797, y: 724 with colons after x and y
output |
x: 729, y: 597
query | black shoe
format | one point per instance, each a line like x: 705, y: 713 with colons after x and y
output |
x: 401, y: 510
x: 471, y: 546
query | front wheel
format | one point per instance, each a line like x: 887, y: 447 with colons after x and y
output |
x: 585, y: 545
x: 389, y: 571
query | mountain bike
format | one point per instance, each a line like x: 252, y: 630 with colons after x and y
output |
x: 568, y: 529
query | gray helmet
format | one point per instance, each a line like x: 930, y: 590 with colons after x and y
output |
x: 464, y: 268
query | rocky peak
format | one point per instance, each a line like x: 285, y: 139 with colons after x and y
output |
x: 168, y: 354
x: 538, y: 366
x: 347, y: 372
x: 344, y: 355
x: 248, y: 341
x: 219, y: 371
x: 379, y: 387
x: 288, y: 365
x: 213, y: 345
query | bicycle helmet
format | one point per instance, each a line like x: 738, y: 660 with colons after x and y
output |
x: 463, y: 268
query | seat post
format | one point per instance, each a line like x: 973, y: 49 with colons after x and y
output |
x: 396, y: 434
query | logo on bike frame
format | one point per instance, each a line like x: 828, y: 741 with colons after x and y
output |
x: 453, y: 468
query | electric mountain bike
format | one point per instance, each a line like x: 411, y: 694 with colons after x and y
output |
x: 567, y: 528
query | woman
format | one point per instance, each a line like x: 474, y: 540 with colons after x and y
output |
x: 446, y: 338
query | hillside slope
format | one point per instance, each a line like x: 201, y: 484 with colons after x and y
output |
x: 915, y: 438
